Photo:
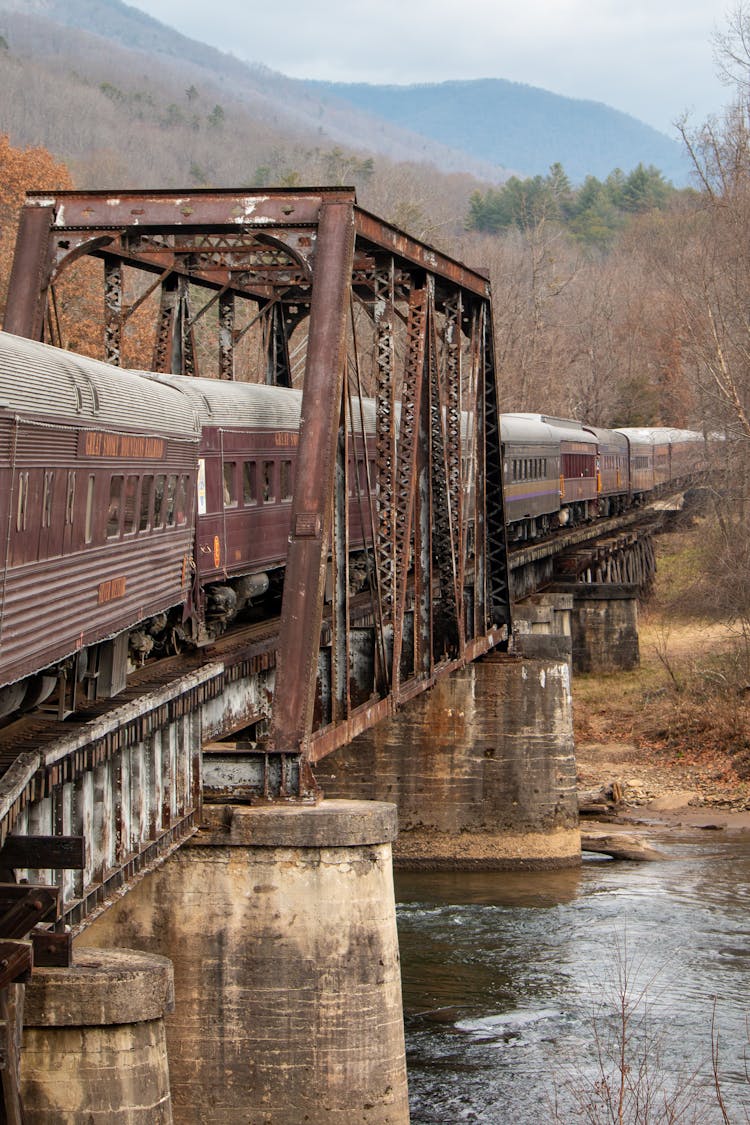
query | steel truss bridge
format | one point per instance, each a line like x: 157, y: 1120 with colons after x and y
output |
x: 295, y: 289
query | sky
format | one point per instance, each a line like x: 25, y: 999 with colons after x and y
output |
x: 653, y: 59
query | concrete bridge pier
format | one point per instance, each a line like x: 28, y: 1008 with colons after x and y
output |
x: 604, y: 626
x: 592, y: 625
x: 481, y: 768
x: 281, y: 924
x: 542, y: 627
x: 94, y: 1044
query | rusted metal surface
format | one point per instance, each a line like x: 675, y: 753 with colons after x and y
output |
x: 372, y: 324
x: 302, y: 605
x: 29, y: 276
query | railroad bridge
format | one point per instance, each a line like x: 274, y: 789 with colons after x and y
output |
x: 215, y: 750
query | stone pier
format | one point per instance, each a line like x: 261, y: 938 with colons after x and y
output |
x: 604, y: 626
x: 482, y: 769
x: 94, y: 1044
x: 280, y: 921
x: 542, y: 627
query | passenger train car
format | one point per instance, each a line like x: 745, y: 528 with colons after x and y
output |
x: 142, y: 511
x: 558, y: 472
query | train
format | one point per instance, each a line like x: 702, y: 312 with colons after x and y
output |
x: 143, y: 512
x: 558, y: 472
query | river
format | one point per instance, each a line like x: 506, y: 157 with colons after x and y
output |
x: 512, y: 986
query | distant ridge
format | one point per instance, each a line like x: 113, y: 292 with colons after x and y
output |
x: 521, y: 127
x: 488, y: 127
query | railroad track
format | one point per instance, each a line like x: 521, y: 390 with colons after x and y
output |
x: 254, y: 643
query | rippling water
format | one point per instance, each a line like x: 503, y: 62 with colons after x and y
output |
x: 512, y: 984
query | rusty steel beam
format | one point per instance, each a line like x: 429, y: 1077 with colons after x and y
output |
x: 204, y: 207
x: 495, y: 548
x: 310, y: 255
x: 30, y: 273
x: 302, y: 604
x: 401, y: 245
x: 113, y: 319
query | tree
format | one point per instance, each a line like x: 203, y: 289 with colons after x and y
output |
x: 216, y: 117
x: 710, y: 272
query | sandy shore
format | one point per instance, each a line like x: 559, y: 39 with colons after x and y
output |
x: 647, y: 787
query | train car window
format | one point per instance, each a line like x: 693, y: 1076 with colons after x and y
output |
x: 249, y: 483
x: 23, y: 501
x: 147, y: 487
x: 70, y: 498
x: 268, y: 490
x: 131, y: 502
x: 285, y: 480
x: 171, y: 497
x: 115, y: 506
x: 159, y: 489
x: 90, y: 508
x: 47, y: 494
x: 230, y: 485
x: 181, y: 501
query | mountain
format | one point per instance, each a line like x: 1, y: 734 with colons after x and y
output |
x: 517, y: 126
x: 487, y: 128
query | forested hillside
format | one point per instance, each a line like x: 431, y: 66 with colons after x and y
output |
x: 587, y: 323
x: 488, y: 127
x: 583, y: 328
x: 618, y: 299
x: 521, y: 127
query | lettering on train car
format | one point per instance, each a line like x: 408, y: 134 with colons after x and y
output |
x: 112, y: 589
x: 97, y: 443
x: 286, y: 440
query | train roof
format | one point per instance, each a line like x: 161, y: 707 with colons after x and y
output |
x: 659, y: 435
x: 609, y: 440
x: 39, y: 380
x: 542, y: 428
x: 225, y: 403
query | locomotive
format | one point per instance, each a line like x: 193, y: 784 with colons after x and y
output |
x: 142, y: 511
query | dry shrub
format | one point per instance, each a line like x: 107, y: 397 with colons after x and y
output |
x: 705, y: 708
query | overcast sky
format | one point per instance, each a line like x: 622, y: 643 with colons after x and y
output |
x: 651, y: 58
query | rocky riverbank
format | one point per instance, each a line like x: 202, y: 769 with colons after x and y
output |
x: 625, y: 783
x: 669, y: 741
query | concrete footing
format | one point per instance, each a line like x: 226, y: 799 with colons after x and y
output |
x: 281, y: 925
x: 542, y: 627
x: 94, y: 1045
x: 482, y: 769
x: 605, y: 627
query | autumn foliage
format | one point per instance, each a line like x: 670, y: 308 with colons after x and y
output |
x: 74, y: 318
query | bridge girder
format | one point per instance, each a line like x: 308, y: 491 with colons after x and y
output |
x: 346, y: 307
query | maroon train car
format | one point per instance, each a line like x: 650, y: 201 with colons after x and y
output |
x: 98, y: 471
x: 247, y: 467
